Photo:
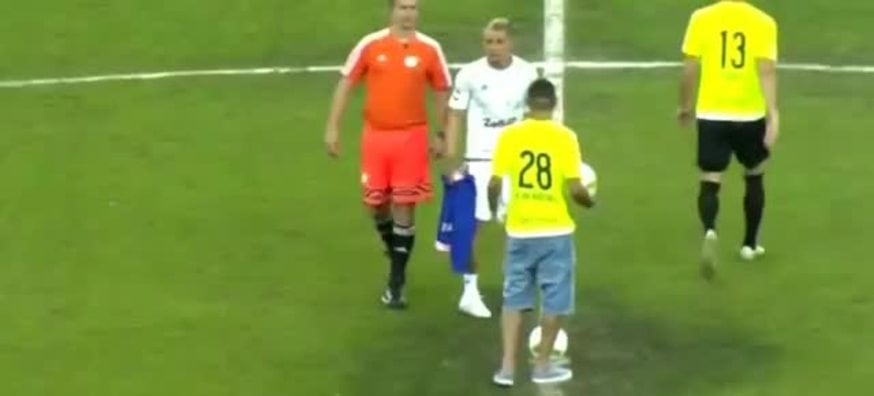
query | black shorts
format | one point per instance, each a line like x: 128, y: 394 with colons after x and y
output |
x: 717, y: 140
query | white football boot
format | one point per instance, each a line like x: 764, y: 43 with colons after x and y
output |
x: 708, y: 255
x: 749, y: 254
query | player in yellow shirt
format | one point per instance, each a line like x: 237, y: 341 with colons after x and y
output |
x: 541, y: 158
x: 730, y: 51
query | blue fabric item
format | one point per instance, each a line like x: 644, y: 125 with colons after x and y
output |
x: 457, y: 226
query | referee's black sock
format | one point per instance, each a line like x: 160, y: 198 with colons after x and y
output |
x: 708, y: 204
x: 754, y: 206
x: 403, y: 238
x: 384, y: 227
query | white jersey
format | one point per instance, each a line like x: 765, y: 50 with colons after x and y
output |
x: 493, y: 99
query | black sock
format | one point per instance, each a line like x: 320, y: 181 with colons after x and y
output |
x: 384, y: 228
x: 708, y: 204
x: 403, y: 239
x: 754, y: 205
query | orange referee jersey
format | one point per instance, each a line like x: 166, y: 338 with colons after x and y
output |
x: 396, y: 74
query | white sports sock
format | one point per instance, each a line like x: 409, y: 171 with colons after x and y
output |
x: 470, y: 283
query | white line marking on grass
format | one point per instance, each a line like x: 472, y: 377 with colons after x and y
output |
x: 166, y: 74
x: 574, y: 65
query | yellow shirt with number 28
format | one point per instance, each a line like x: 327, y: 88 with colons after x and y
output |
x: 537, y: 156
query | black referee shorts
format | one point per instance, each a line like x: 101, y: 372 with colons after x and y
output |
x: 717, y: 140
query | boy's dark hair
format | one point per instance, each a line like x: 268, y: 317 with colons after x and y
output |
x: 541, y: 95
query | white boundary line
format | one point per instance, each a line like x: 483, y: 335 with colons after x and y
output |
x: 574, y: 65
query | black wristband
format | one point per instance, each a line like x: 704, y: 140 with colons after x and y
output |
x: 441, y: 134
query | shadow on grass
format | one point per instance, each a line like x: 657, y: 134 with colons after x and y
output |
x: 613, y: 353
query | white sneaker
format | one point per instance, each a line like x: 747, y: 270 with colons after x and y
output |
x: 473, y: 305
x: 749, y: 254
x: 503, y: 378
x: 551, y: 375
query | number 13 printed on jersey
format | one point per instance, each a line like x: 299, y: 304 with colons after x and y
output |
x: 734, y: 45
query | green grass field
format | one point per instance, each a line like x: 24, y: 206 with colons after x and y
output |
x: 189, y: 236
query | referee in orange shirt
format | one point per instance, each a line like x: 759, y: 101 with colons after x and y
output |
x: 397, y: 65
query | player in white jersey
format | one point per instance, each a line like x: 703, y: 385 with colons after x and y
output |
x: 490, y: 93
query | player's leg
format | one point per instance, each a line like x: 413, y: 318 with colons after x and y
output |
x: 471, y: 300
x: 382, y: 217
x: 383, y: 222
x: 714, y: 154
x: 409, y: 182
x: 519, y: 294
x: 374, y: 181
x: 753, y: 154
x: 376, y: 150
x: 555, y: 277
x: 403, y: 239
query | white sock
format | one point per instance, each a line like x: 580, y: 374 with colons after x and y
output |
x: 470, y: 283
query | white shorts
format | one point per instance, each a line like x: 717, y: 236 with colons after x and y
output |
x: 482, y: 173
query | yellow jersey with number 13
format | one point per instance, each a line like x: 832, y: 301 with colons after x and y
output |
x: 537, y: 156
x: 729, y: 37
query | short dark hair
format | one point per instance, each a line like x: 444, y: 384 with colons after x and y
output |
x: 541, y: 95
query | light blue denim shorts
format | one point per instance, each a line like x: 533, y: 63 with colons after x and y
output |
x: 545, y: 264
